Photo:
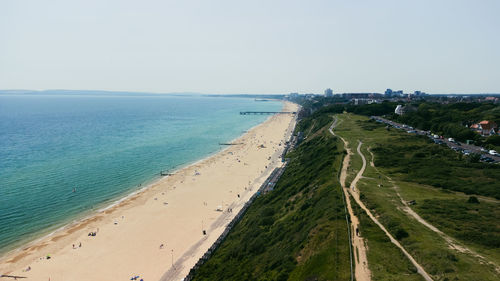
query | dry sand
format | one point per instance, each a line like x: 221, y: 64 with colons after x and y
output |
x: 172, y: 211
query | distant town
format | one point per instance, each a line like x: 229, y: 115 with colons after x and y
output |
x: 394, y: 95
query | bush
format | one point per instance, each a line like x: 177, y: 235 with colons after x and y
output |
x: 401, y: 234
x: 473, y: 200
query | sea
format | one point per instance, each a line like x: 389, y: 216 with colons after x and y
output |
x: 65, y: 156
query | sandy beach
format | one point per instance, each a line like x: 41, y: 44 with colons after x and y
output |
x: 158, y: 232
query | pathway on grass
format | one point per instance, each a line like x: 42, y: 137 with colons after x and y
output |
x: 360, y: 173
x: 451, y: 242
x: 362, y: 272
x: 355, y: 195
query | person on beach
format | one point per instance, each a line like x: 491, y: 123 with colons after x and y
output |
x: 79, y: 246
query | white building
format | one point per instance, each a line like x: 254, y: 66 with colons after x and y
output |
x: 399, y: 110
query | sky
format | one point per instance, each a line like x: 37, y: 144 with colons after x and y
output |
x: 252, y: 47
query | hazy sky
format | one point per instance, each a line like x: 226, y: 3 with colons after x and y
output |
x: 251, y: 46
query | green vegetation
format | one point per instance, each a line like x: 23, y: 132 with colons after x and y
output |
x: 296, y: 232
x: 448, y: 119
x: 470, y: 221
x: 386, y: 261
x: 373, y: 109
x: 417, y: 159
x: 318, y: 120
x: 399, y: 155
x: 451, y: 119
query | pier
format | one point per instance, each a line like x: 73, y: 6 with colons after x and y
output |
x: 266, y: 112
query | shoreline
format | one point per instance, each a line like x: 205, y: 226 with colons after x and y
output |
x: 110, y: 203
x: 22, y: 253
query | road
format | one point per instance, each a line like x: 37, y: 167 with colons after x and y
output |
x: 452, y: 145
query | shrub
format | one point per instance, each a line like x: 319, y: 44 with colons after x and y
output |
x: 473, y: 200
x: 401, y: 233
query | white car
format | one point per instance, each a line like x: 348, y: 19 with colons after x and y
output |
x: 493, y: 152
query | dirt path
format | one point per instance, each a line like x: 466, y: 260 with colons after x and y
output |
x: 452, y: 243
x: 361, y: 269
x: 360, y: 173
x: 355, y: 195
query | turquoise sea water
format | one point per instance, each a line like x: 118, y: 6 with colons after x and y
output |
x: 102, y: 145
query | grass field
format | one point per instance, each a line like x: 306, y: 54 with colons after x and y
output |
x: 448, y: 211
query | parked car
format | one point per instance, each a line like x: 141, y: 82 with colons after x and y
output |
x: 487, y: 159
x: 451, y: 139
x: 492, y: 152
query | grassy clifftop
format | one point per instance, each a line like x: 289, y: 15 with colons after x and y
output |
x: 296, y: 232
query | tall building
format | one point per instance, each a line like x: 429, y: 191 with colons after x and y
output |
x: 328, y: 93
x: 388, y: 93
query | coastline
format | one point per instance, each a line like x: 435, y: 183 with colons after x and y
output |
x: 58, y: 240
x: 108, y: 204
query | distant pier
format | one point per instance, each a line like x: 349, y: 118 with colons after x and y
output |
x: 266, y: 112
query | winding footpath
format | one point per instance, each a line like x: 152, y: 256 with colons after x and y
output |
x: 360, y: 173
x: 362, y: 271
x: 355, y: 195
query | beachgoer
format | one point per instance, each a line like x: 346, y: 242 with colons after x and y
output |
x: 73, y: 246
x: 79, y: 246
x: 357, y: 231
x: 161, y: 246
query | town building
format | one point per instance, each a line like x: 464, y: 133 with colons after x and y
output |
x: 328, y: 93
x: 485, y: 128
